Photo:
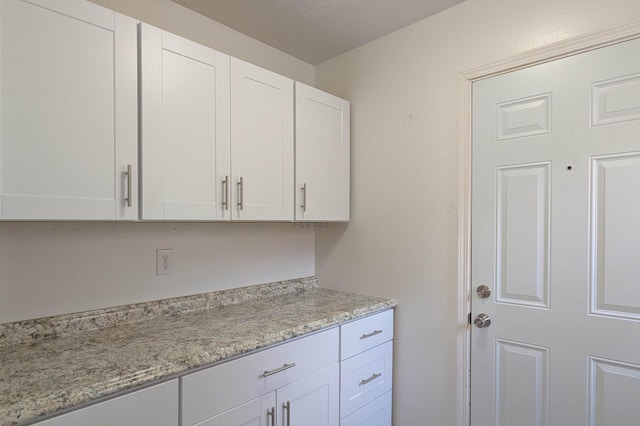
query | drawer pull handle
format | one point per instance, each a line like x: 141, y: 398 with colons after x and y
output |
x: 268, y: 373
x: 287, y: 406
x: 373, y: 333
x: 370, y: 379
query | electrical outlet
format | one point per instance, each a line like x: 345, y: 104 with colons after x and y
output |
x: 164, y: 262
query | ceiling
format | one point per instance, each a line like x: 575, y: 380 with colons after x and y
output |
x: 316, y: 30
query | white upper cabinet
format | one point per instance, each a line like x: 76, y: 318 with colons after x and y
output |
x: 261, y: 144
x: 185, y: 129
x: 322, y: 156
x: 68, y: 90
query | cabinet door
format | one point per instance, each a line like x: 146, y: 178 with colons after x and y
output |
x: 68, y: 91
x: 153, y: 406
x: 311, y: 401
x: 185, y: 128
x: 322, y: 156
x: 257, y: 412
x: 261, y: 143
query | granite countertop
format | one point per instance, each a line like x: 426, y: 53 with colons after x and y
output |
x: 48, y: 375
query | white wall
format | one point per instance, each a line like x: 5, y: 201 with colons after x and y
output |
x: 54, y: 268
x: 402, y: 239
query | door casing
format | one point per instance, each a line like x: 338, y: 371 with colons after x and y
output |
x: 465, y: 80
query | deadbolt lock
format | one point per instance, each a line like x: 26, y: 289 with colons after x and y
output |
x: 483, y: 291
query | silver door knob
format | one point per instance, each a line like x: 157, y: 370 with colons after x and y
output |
x: 482, y: 321
x: 483, y: 291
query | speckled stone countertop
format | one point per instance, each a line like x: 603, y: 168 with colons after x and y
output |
x: 47, y: 375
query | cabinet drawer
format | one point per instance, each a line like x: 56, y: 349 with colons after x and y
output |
x: 376, y: 413
x: 365, y: 377
x: 209, y: 392
x: 363, y: 334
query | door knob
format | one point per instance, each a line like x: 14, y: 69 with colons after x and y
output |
x: 483, y: 291
x: 482, y: 321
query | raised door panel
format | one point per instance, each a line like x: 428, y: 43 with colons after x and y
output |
x: 154, y: 406
x: 69, y: 102
x: 322, y: 156
x: 185, y: 128
x: 262, y: 153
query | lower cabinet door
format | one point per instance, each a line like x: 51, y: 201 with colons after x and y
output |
x: 153, y: 406
x: 257, y: 412
x: 376, y: 413
x: 311, y: 401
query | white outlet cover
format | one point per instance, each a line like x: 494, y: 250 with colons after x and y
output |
x: 164, y: 262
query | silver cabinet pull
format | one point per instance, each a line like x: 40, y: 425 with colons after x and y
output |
x: 268, y: 373
x: 287, y: 407
x: 225, y: 193
x: 272, y: 413
x: 241, y: 193
x: 129, y: 179
x: 373, y: 333
x: 370, y: 379
x: 303, y: 206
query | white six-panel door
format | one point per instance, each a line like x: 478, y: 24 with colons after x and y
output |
x: 556, y: 238
x: 185, y: 128
x: 69, y: 111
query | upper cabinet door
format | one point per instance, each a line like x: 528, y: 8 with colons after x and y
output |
x: 322, y: 156
x: 185, y: 129
x: 68, y: 90
x: 261, y: 144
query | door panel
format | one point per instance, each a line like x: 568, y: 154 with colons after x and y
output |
x: 523, y: 241
x: 556, y: 172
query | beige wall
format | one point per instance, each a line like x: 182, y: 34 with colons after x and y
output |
x: 179, y: 20
x: 402, y: 239
x: 54, y: 268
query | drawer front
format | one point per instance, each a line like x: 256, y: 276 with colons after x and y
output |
x: 376, y: 413
x: 363, y: 334
x: 365, y: 377
x: 209, y: 392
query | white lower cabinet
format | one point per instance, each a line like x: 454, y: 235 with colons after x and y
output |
x: 366, y: 371
x: 341, y: 376
x: 296, y: 383
x: 153, y: 406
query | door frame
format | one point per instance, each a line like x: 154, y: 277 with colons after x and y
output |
x: 466, y: 78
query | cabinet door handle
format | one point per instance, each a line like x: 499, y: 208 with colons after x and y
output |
x: 373, y: 333
x: 129, y: 179
x: 370, y: 379
x: 268, y: 373
x: 241, y: 193
x: 303, y: 206
x: 225, y: 193
x: 287, y: 407
x: 272, y: 413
